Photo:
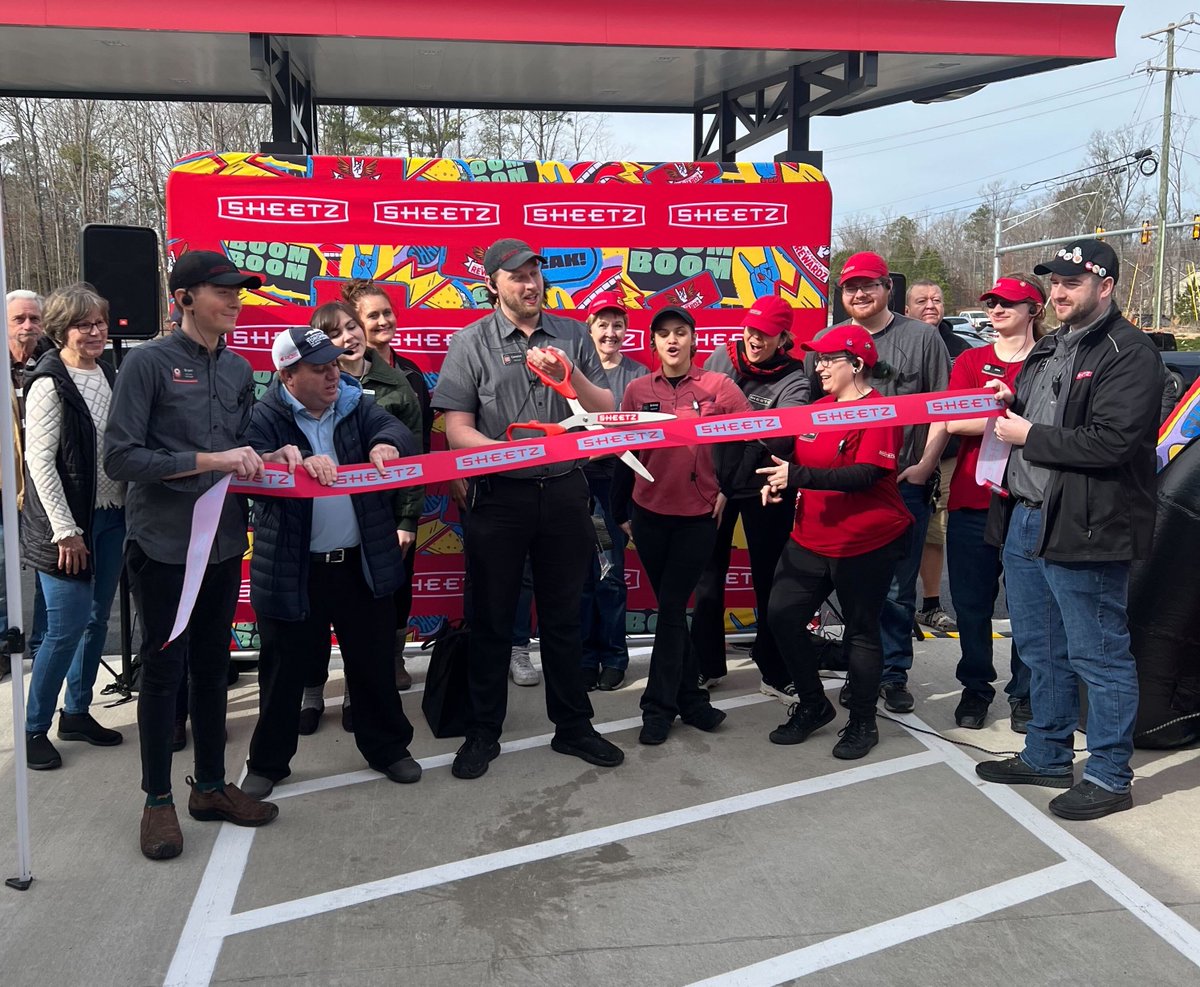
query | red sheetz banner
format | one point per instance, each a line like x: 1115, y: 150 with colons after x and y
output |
x: 912, y: 409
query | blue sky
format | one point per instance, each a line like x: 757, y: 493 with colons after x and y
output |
x: 1013, y: 132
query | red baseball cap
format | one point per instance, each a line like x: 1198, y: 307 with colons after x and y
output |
x: 863, y: 265
x: 770, y: 315
x: 1014, y: 290
x: 608, y: 299
x: 851, y: 339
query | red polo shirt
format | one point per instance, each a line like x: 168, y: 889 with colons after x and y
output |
x: 838, y: 523
x: 975, y: 368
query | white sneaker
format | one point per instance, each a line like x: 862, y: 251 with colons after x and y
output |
x: 521, y: 669
x: 710, y: 682
x: 786, y: 695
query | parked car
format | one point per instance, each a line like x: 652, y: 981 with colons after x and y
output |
x: 970, y: 335
x: 977, y: 317
x: 1183, y: 366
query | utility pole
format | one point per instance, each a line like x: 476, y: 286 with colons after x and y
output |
x: 1164, y: 182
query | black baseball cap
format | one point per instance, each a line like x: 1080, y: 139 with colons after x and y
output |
x: 508, y: 255
x: 1087, y: 256
x: 303, y: 345
x: 675, y: 310
x: 208, y: 267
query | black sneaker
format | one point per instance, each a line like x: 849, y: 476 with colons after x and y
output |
x: 40, y: 754
x: 1087, y: 800
x: 83, y: 726
x: 654, y: 732
x: 310, y: 719
x: 1014, y: 771
x: 857, y: 738
x: 473, y: 758
x: 803, y: 719
x: 972, y: 711
x: 591, y: 747
x: 1022, y: 713
x: 896, y: 697
x: 610, y: 679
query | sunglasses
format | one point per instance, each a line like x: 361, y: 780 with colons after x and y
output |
x: 997, y: 302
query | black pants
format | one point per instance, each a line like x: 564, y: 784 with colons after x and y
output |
x: 549, y: 522
x: 202, y: 650
x: 802, y: 580
x: 338, y: 594
x: 673, y: 550
x: 767, y: 530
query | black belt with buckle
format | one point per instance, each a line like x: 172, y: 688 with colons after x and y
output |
x: 1032, y: 505
x: 336, y: 557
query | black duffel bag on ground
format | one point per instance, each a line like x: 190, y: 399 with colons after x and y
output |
x: 446, y: 702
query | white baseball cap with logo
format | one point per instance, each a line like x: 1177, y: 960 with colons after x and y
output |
x: 303, y: 344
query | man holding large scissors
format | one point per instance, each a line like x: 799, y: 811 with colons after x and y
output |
x: 492, y: 377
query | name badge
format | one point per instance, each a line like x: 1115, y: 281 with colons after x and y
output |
x: 650, y: 406
x: 368, y: 391
x: 508, y: 359
x: 993, y: 370
x: 808, y: 437
x: 759, y: 399
x: 183, y: 375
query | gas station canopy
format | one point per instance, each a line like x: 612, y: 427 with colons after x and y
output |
x: 774, y: 63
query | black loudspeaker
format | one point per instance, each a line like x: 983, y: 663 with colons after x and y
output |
x: 895, y: 300
x: 121, y: 262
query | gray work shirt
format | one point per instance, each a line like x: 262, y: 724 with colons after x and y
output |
x: 1039, y: 397
x: 485, y: 374
x: 174, y: 399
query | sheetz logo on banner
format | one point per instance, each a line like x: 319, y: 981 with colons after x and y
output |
x: 599, y: 441
x: 742, y: 214
x: 431, y: 339
x: 739, y: 426
x: 439, y: 583
x: 588, y: 215
x: 484, y: 459
x: 853, y: 415
x: 436, y: 212
x: 282, y: 209
x: 368, y: 476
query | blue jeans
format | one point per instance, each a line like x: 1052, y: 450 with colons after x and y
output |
x: 974, y: 569
x: 603, y: 614
x: 900, y: 608
x: 77, y: 612
x: 1069, y: 622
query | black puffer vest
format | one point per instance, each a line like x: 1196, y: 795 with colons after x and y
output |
x: 76, y: 462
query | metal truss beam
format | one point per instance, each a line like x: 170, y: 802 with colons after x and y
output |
x: 782, y: 102
x: 289, y: 88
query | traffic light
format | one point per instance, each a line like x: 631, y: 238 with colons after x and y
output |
x: 1146, y: 231
x: 1196, y: 226
x: 1099, y: 232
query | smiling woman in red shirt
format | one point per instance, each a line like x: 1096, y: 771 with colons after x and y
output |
x: 674, y: 519
x: 850, y: 528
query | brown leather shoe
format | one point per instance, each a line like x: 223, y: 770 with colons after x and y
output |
x: 229, y: 804
x: 162, y: 838
x: 403, y: 679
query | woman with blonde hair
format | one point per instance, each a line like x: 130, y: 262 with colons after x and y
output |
x: 1016, y: 304
x: 73, y: 524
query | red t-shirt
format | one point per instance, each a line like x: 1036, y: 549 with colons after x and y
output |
x: 975, y: 368
x: 838, y: 523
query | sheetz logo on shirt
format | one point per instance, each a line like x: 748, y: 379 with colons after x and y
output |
x: 282, y: 209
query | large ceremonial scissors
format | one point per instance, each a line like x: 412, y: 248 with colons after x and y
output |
x: 591, y: 420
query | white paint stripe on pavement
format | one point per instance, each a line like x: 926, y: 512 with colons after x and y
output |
x: 884, y: 935
x: 459, y: 870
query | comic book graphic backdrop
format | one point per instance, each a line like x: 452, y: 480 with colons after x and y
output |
x: 705, y: 236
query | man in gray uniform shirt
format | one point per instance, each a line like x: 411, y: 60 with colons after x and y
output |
x: 484, y: 386
x: 1083, y: 426
x: 917, y: 362
x: 178, y: 423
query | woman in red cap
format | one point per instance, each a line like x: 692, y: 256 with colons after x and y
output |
x: 674, y: 520
x: 759, y: 361
x: 605, y: 651
x: 1015, y: 304
x: 850, y: 528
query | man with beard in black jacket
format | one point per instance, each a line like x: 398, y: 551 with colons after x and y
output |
x: 1081, y: 479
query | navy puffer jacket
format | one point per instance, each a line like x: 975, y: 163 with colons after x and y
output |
x: 283, y: 525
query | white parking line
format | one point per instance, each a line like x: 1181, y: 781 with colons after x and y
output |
x: 883, y: 935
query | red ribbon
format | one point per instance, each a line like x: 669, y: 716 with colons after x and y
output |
x: 438, y: 467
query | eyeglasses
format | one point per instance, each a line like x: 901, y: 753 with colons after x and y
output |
x: 853, y: 288
x: 90, y: 327
x: 829, y: 359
